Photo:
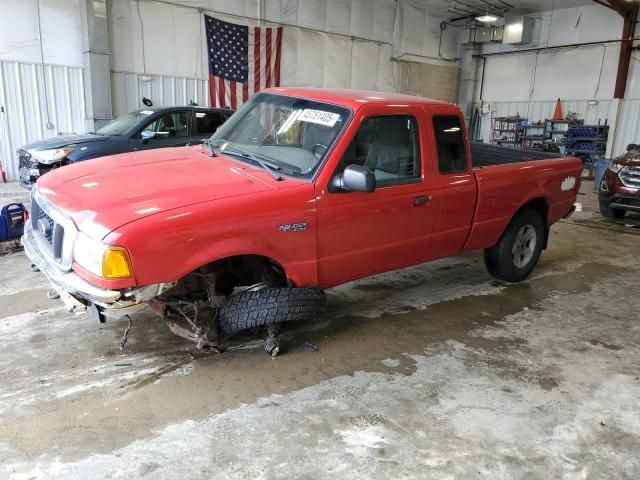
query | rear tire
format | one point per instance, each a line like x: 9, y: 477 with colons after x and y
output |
x: 269, y: 306
x: 517, y: 252
x: 608, y: 212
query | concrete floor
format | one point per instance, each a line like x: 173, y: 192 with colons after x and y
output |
x: 436, y: 371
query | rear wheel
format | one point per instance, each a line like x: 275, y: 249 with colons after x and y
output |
x: 609, y: 212
x: 517, y: 252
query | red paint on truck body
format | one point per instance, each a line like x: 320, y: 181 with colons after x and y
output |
x: 177, y: 209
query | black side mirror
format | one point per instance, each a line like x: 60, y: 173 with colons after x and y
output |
x: 355, y: 178
x: 146, y: 135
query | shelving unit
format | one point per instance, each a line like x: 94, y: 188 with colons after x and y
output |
x: 567, y: 137
x: 533, y: 137
x: 555, y: 132
x: 589, y: 142
x: 508, y: 131
x: 589, y: 139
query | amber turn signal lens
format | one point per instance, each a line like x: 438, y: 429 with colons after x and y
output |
x: 116, y: 263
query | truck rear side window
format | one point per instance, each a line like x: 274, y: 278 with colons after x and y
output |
x: 389, y: 146
x: 452, y: 155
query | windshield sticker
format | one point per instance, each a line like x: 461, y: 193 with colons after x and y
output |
x: 327, y: 119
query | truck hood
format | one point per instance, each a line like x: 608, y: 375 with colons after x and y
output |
x: 65, y: 141
x: 103, y: 194
x: 629, y: 159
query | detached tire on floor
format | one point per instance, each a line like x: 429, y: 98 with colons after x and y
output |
x: 517, y: 252
x: 269, y: 306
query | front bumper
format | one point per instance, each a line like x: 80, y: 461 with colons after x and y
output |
x: 77, y: 292
x: 621, y: 201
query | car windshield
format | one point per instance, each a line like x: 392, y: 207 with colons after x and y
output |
x: 122, y: 125
x: 291, y: 132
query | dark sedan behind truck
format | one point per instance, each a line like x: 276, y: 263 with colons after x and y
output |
x: 139, y: 130
x: 620, y: 186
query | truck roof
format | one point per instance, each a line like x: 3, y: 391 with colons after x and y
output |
x: 354, y: 98
x: 165, y: 109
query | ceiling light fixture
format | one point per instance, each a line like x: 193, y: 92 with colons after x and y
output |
x: 487, y: 17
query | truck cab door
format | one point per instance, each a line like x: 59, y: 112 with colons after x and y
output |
x: 451, y: 182
x: 365, y: 233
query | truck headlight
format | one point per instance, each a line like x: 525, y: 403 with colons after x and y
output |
x: 102, y: 260
x: 50, y: 156
x: 615, y: 167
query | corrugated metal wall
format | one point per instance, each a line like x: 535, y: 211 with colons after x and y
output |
x: 129, y: 88
x: 628, y: 130
x: 38, y: 101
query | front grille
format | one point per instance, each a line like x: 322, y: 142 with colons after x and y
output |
x: 47, y: 230
x: 25, y: 161
x: 630, y: 177
x: 46, y: 221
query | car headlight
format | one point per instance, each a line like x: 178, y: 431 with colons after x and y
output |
x: 50, y: 156
x: 102, y: 260
x: 615, y: 167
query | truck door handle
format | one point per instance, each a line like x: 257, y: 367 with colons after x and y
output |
x: 421, y: 200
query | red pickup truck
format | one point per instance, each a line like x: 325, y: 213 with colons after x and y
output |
x: 301, y: 190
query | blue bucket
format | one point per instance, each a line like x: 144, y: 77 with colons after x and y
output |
x: 599, y: 167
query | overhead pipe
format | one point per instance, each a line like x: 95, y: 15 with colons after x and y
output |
x: 554, y: 47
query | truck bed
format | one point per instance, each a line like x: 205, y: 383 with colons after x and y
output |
x: 484, y: 155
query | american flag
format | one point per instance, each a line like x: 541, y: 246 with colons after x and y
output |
x: 242, y: 61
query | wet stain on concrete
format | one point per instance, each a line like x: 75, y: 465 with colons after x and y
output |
x: 370, y: 420
x: 347, y: 345
x: 38, y: 338
x: 609, y: 346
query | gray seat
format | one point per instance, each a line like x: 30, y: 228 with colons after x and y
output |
x: 391, y: 155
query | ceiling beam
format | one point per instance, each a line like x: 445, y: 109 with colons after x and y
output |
x: 620, y: 6
x: 629, y: 12
x: 603, y: 3
x: 626, y: 46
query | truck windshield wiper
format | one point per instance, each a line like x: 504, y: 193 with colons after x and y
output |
x: 269, y: 167
x: 210, y: 147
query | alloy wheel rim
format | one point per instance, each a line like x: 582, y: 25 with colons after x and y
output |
x: 524, y: 246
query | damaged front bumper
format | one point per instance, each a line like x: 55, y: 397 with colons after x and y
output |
x: 76, y: 292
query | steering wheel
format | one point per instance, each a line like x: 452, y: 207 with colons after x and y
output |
x: 318, y: 146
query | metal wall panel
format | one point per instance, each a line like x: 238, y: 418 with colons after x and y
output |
x: 37, y: 101
x: 540, y: 110
x: 162, y: 90
x: 628, y: 130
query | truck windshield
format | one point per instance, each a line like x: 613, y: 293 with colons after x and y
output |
x: 122, y: 125
x: 292, y: 132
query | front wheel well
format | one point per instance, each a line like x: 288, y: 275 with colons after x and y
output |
x: 246, y: 270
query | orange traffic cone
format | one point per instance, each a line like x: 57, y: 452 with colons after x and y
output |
x: 557, y: 115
